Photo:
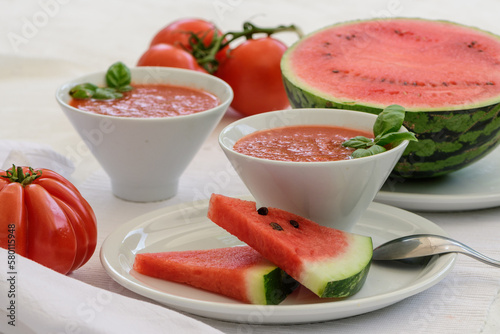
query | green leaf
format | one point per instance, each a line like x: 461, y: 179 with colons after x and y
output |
x: 118, y: 75
x: 372, y: 150
x: 360, y: 153
x: 106, y: 93
x: 118, y: 79
x: 83, y: 91
x: 385, y: 129
x: 376, y: 149
x: 358, y: 142
x: 394, y: 138
x: 125, y: 88
x: 389, y: 120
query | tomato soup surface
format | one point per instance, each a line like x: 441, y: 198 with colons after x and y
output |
x: 151, y: 100
x: 299, y: 143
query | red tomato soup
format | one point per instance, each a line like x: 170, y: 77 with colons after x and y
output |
x: 299, y: 143
x: 151, y: 100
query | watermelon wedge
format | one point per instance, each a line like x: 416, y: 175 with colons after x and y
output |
x: 446, y: 75
x: 329, y: 262
x: 238, y: 272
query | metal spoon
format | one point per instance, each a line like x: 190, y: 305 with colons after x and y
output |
x: 419, y: 245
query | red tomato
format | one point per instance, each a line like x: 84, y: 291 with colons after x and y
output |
x: 169, y: 56
x: 253, y: 71
x: 178, y: 33
x: 46, y: 219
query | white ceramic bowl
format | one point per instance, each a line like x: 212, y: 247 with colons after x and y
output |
x: 332, y: 193
x: 144, y: 157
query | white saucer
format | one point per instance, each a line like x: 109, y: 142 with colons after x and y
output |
x: 185, y: 226
x: 474, y: 187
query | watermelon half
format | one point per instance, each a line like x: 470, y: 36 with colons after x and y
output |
x: 329, y: 262
x: 238, y: 272
x: 445, y: 74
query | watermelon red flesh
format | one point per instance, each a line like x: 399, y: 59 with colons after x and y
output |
x: 329, y: 262
x: 237, y: 272
x: 447, y: 76
x: 423, y: 65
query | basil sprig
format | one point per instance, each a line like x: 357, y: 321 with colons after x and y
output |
x: 385, y: 129
x: 118, y: 79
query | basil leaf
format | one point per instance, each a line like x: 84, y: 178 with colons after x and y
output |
x: 106, y: 93
x: 358, y: 142
x: 83, y: 91
x: 125, y: 88
x: 394, y: 138
x: 376, y: 149
x: 389, y: 120
x: 118, y: 78
x: 360, y: 153
x: 385, y: 129
x: 118, y: 75
x: 372, y: 150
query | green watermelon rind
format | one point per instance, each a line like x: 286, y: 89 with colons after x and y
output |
x: 346, y: 287
x: 278, y: 285
x: 324, y: 279
x: 268, y: 285
x: 449, y: 139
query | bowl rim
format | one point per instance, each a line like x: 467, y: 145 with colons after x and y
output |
x: 400, y: 147
x: 65, y: 87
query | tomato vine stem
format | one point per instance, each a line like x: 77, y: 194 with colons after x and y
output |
x: 249, y: 29
x: 206, y: 56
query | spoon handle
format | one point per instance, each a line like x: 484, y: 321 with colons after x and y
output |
x: 464, y: 249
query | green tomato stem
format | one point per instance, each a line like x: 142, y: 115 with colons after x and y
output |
x: 16, y: 174
x: 206, y: 55
x: 249, y: 29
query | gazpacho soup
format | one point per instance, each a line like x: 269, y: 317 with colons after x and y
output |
x: 151, y: 100
x: 299, y: 143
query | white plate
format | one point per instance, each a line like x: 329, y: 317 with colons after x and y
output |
x: 185, y: 226
x: 474, y: 187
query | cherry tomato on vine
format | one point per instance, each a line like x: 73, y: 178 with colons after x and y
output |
x: 46, y: 219
x: 253, y: 71
x: 178, y: 33
x: 169, y: 56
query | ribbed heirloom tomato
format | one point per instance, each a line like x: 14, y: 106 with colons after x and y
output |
x: 45, y: 218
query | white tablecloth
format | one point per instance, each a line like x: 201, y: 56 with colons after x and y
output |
x: 47, y: 42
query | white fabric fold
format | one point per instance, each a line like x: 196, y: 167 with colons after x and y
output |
x: 34, y: 155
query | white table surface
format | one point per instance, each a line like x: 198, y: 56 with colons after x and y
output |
x: 47, y: 42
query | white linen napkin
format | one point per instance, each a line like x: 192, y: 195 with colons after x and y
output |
x: 39, y: 300
x: 34, y: 155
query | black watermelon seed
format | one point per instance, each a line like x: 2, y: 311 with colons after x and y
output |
x: 263, y: 211
x: 276, y: 226
x: 294, y: 223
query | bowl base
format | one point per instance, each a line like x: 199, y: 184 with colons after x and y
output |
x: 144, y: 193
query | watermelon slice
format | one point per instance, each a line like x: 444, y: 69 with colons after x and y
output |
x: 329, y: 262
x: 446, y: 75
x: 238, y: 272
